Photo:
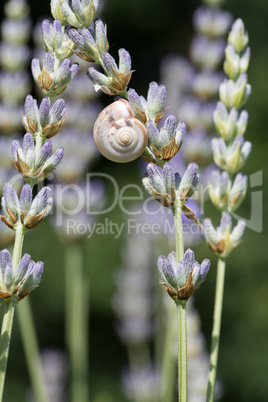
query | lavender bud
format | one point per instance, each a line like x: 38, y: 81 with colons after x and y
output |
x: 18, y: 281
x: 24, y: 212
x: 219, y: 188
x: 238, y: 191
x: 229, y: 125
x: 212, y: 22
x: 189, y: 182
x: 223, y: 240
x: 156, y: 100
x: 233, y: 157
x: 40, y: 208
x: 161, y: 184
x: 234, y: 65
x: 235, y: 94
x: 182, y: 279
x: 57, y: 12
x: 56, y: 41
x: 53, y: 80
x: 80, y: 14
x: 238, y: 37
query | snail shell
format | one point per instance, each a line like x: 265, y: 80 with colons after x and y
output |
x: 118, y: 134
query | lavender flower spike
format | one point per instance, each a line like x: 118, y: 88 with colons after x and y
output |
x: 18, y: 281
x: 182, y: 279
x: 23, y: 212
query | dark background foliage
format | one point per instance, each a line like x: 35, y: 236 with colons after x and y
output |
x: 149, y: 30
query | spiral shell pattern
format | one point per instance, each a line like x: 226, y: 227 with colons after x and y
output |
x: 118, y: 135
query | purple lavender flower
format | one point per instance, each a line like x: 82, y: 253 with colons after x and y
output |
x: 181, y: 279
x: 223, y: 240
x: 33, y: 167
x: 24, y: 211
x: 52, y: 80
x: 18, y: 281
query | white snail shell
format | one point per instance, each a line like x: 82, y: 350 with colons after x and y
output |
x: 118, y: 134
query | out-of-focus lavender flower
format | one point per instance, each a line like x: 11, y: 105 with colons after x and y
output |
x: 80, y: 152
x: 134, y: 309
x: 75, y: 208
x: 14, y: 57
x: 212, y: 22
x: 177, y: 74
x: 223, y: 240
x: 206, y: 84
x: 207, y: 53
x: 16, y: 9
x: 20, y: 81
x: 142, y: 384
x: 55, y: 368
x: 82, y: 118
x: 196, y: 147
x: 16, y: 32
x: 18, y: 281
x: 82, y: 92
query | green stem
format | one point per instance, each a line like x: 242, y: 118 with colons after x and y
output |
x: 216, y: 329
x: 178, y: 231
x: 169, y: 358
x: 77, y: 302
x: 9, y: 312
x: 31, y: 349
x: 27, y: 329
x: 182, y: 351
x: 5, y: 340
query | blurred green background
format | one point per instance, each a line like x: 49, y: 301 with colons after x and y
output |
x: 149, y: 30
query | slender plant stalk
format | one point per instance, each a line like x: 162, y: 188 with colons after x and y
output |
x: 182, y: 351
x: 77, y: 323
x: 169, y: 357
x: 215, y: 341
x: 27, y: 331
x: 5, y: 340
x: 7, y: 324
x: 169, y: 362
x: 31, y: 349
